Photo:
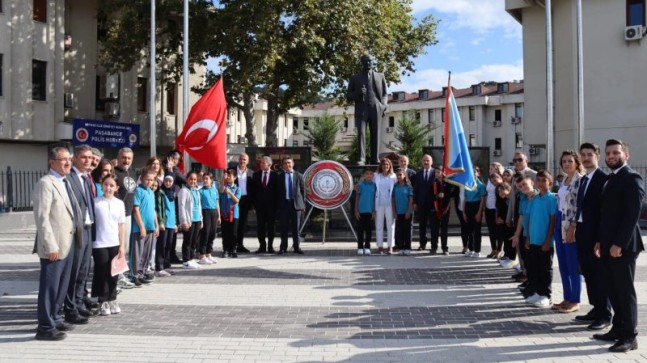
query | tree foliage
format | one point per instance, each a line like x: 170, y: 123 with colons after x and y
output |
x: 294, y: 52
x: 321, y: 135
x: 412, y: 135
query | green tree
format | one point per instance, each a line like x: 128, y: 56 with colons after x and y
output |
x: 412, y: 135
x: 292, y: 52
x: 322, y: 134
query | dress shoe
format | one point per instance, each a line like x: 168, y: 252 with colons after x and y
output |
x: 299, y: 251
x: 259, y: 251
x: 270, y: 250
x: 234, y: 254
x: 588, y: 317
x: 76, y: 319
x: 599, y: 325
x: 85, y: 312
x: 609, y: 336
x: 224, y: 255
x: 242, y: 249
x: 65, y: 327
x: 433, y: 252
x: 624, y: 345
x: 50, y: 335
x: 89, y: 304
x: 569, y: 307
x: 281, y: 252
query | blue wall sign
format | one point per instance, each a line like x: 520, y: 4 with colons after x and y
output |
x: 105, y: 133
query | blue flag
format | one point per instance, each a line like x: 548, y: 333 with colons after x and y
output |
x: 456, y: 161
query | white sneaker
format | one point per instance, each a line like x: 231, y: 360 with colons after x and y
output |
x: 190, y: 265
x: 360, y: 252
x: 114, y: 307
x: 367, y: 251
x: 124, y: 283
x: 542, y: 302
x: 533, y: 298
x: 105, y: 309
x: 162, y: 273
x: 407, y: 252
x: 468, y: 254
x: 204, y: 261
x: 476, y: 255
x: 210, y: 258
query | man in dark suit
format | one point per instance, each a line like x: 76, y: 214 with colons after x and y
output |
x: 264, y: 198
x: 584, y: 228
x: 244, y: 182
x: 620, y: 243
x: 292, y: 203
x: 75, y: 310
x: 423, y: 198
x: 57, y: 218
x: 368, y: 90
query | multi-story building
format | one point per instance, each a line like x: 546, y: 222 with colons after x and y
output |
x: 613, y: 59
x: 492, y: 115
x: 49, y: 75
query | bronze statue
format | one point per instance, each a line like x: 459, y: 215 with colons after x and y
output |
x: 368, y: 90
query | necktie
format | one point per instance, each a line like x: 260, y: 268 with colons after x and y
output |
x: 93, y: 187
x: 73, y: 202
x: 611, y: 175
x: 426, y: 175
x: 290, y: 187
x: 88, y: 196
x: 264, y: 179
x: 580, y: 196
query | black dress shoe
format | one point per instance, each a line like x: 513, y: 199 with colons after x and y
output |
x: 270, y: 250
x: 281, y: 252
x: 50, y: 335
x: 259, y: 251
x: 588, y: 317
x: 624, y: 345
x: 299, y: 251
x: 599, y: 325
x: 224, y: 255
x: 242, y: 249
x: 233, y: 255
x: 433, y: 252
x: 65, y: 327
x: 89, y: 304
x: 85, y: 312
x: 609, y: 336
x: 76, y: 319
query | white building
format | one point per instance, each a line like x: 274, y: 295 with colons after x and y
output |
x: 49, y: 75
x: 614, y: 74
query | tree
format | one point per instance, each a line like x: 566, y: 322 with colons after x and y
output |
x: 412, y: 136
x: 293, y: 52
x: 322, y: 134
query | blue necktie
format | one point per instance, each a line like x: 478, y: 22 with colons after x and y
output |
x: 74, y: 204
x: 580, y: 197
x: 290, y: 187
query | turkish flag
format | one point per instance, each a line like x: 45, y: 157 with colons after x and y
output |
x: 203, y: 136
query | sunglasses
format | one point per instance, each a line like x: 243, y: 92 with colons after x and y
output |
x: 517, y: 160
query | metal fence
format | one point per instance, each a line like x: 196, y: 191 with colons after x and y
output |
x: 16, y: 188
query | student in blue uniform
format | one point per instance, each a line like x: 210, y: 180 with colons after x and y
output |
x: 402, y: 210
x: 365, y: 212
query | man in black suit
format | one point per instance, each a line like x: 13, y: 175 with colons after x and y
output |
x: 292, y: 203
x: 75, y: 310
x: 620, y: 243
x: 264, y: 198
x: 423, y: 199
x: 584, y: 228
x: 368, y: 90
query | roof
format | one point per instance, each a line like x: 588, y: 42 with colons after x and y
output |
x: 486, y: 90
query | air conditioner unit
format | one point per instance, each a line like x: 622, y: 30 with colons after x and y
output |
x: 343, y: 129
x: 515, y: 120
x: 112, y: 109
x: 389, y: 130
x: 496, y: 123
x: 533, y: 151
x: 496, y: 153
x: 68, y: 100
x: 634, y: 32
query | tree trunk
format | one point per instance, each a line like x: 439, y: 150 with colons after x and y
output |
x: 250, y: 120
x: 272, y: 121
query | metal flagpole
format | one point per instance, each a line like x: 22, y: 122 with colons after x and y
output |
x: 550, y: 117
x: 580, y: 76
x: 151, y: 106
x: 185, y: 73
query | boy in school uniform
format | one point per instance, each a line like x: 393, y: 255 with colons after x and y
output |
x: 144, y: 230
x: 540, y: 212
x: 365, y: 212
x: 527, y: 191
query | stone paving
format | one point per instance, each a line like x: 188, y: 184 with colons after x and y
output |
x: 326, y: 306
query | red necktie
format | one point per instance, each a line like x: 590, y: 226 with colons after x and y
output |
x: 264, y: 179
x: 93, y: 187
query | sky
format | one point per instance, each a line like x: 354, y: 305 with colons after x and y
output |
x: 477, y: 41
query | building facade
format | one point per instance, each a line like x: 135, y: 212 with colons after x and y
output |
x: 614, y: 59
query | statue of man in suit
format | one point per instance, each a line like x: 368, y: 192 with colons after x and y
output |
x: 368, y: 90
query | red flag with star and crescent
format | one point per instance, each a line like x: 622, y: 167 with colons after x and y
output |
x: 204, y: 133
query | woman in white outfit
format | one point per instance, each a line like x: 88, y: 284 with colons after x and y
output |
x: 384, y: 179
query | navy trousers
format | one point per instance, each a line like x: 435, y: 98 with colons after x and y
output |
x: 52, y: 290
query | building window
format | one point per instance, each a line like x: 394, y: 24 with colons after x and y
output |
x: 142, y: 92
x: 306, y: 124
x: 635, y: 12
x: 442, y: 140
x: 518, y: 140
x: 417, y: 116
x: 170, y: 98
x: 391, y: 121
x: 306, y: 142
x: 346, y: 122
x: 497, y: 115
x: 1, y: 65
x: 497, y: 143
x: 39, y: 80
x: 518, y: 110
x: 444, y: 91
x: 430, y: 115
x: 476, y: 89
x: 442, y: 114
x: 423, y: 94
x: 431, y: 141
x: 285, y: 122
x: 472, y: 113
x: 285, y: 142
x: 40, y: 10
x: 295, y: 142
x: 502, y: 87
x: 472, y: 140
x: 228, y: 138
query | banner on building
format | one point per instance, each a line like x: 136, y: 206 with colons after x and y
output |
x: 105, y: 134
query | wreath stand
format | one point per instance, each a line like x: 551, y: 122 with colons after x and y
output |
x: 325, y: 221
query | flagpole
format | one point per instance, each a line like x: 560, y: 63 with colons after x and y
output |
x: 151, y: 110
x: 185, y: 73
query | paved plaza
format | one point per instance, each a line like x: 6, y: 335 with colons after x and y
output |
x: 326, y: 306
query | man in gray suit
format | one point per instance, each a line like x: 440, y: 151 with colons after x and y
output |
x: 368, y: 90
x: 58, y: 222
x: 292, y: 203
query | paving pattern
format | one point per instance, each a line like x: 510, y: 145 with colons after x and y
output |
x: 326, y: 306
